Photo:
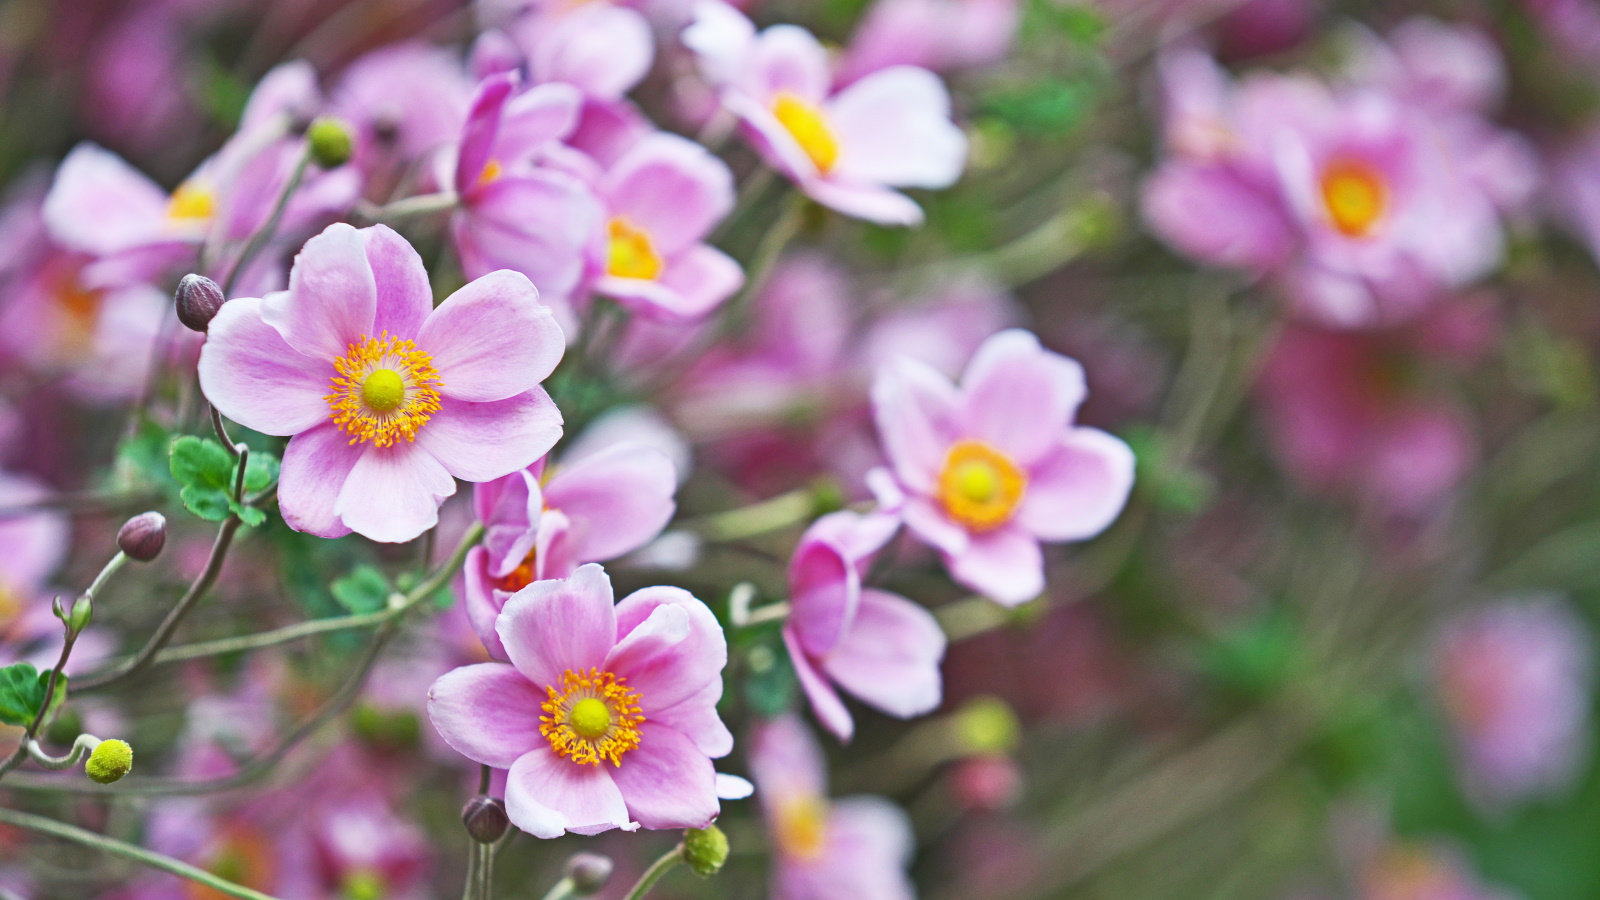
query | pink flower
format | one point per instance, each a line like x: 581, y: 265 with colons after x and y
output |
x: 878, y: 646
x: 593, y: 510
x: 388, y: 399
x: 985, y: 471
x: 1515, y: 680
x: 662, y: 200
x: 939, y: 35
x: 853, y: 848
x: 846, y: 150
x: 516, y: 213
x: 606, y: 716
x: 405, y: 101
x: 601, y: 49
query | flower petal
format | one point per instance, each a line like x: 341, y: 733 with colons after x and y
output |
x: 483, y: 441
x: 316, y: 465
x: 666, y: 781
x: 252, y: 376
x: 825, y: 702
x: 672, y: 188
x: 697, y: 719
x: 894, y: 128
x: 1078, y: 488
x: 658, y: 661
x: 332, y: 297
x: 401, y: 280
x: 547, y: 796
x: 915, y: 408
x: 871, y: 202
x: 824, y: 588
x: 483, y: 601
x: 1004, y: 565
x: 555, y: 626
x: 1018, y: 396
x: 617, y: 499
x: 488, y: 712
x: 482, y: 125
x: 101, y: 205
x: 393, y: 493
x: 890, y: 656
x: 492, y: 339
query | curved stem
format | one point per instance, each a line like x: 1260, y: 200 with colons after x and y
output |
x: 769, y: 515
x: 126, y: 850
x: 653, y: 874
x: 84, y: 744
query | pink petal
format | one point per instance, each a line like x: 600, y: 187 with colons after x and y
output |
x: 509, y: 509
x: 1078, y: 488
x: 702, y: 277
x: 492, y: 339
x: 823, y: 591
x: 483, y: 601
x: 1180, y: 204
x: 694, y: 712
x: 915, y: 408
x: 858, y: 536
x: 483, y: 441
x: 666, y: 781
x: 788, y: 58
x: 870, y: 202
x: 894, y: 128
x: 558, y: 626
x: 771, y: 139
x: 927, y: 520
x: 401, y: 280
x: 393, y: 493
x: 332, y: 297
x: 890, y: 656
x: 316, y: 465
x: 696, y: 718
x: 101, y: 205
x: 482, y: 125
x: 538, y: 223
x: 488, y: 712
x: 672, y: 188
x: 617, y: 499
x: 534, y: 119
x: 252, y: 376
x: 604, y: 50
x: 825, y: 702
x: 1018, y: 396
x: 1004, y: 565
x: 547, y: 796
x: 658, y: 660
x: 786, y: 761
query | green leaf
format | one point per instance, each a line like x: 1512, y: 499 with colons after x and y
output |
x: 204, y: 470
x: 261, y: 471
x: 770, y: 689
x: 1047, y: 108
x: 21, y: 693
x: 364, y: 590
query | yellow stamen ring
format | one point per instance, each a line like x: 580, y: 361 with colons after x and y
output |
x: 590, y: 717
x: 386, y: 389
x: 979, y: 486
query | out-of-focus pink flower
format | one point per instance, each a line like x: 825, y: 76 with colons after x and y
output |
x: 938, y: 35
x: 1263, y: 27
x: 1514, y: 680
x: 31, y: 547
x: 406, y: 102
x: 602, y: 49
x: 846, y: 150
x: 516, y: 213
x: 662, y: 199
x: 1346, y: 413
x: 592, y: 510
x: 606, y: 716
x: 1575, y: 188
x: 985, y: 471
x: 852, y: 848
x: 877, y: 646
x: 388, y: 399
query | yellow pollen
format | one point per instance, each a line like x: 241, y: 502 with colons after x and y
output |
x: 809, y: 127
x: 632, y: 254
x: 802, y: 826
x: 385, y: 390
x: 1356, y: 197
x: 979, y: 486
x: 590, y: 717
x: 191, y: 202
x: 491, y: 170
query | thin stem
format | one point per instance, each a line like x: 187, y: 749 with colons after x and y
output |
x: 653, y: 874
x: 21, y: 753
x: 422, y: 204
x: 564, y: 889
x: 775, y: 612
x: 126, y: 850
x: 284, y: 635
x: 469, y: 890
x: 84, y: 744
x: 485, y: 774
x: 106, y: 572
x: 769, y: 515
x: 222, y: 433
x: 262, y: 236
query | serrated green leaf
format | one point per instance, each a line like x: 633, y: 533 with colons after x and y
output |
x: 204, y: 470
x: 21, y: 693
x: 260, y: 471
x: 364, y: 590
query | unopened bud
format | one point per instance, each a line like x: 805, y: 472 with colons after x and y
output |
x: 82, y: 611
x: 109, y: 762
x: 143, y: 536
x: 987, y: 726
x: 485, y: 818
x: 705, y: 850
x: 589, y: 873
x: 330, y: 142
x: 198, y: 299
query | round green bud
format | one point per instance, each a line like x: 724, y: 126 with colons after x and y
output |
x: 109, y: 762
x: 330, y: 142
x: 987, y: 726
x: 705, y: 850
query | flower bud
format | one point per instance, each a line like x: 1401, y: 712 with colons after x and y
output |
x: 987, y: 726
x: 330, y: 142
x: 143, y: 536
x: 589, y: 873
x: 109, y: 762
x: 198, y: 298
x: 485, y: 818
x: 82, y: 611
x: 705, y: 850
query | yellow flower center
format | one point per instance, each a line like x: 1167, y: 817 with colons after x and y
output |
x: 979, y: 486
x: 590, y: 717
x: 809, y: 127
x: 491, y: 170
x: 802, y: 826
x: 385, y: 390
x: 521, y: 576
x: 1356, y: 197
x: 191, y: 202
x: 631, y: 253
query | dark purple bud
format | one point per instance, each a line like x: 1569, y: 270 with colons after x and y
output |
x: 485, y: 818
x: 198, y: 300
x: 143, y: 536
x: 589, y: 873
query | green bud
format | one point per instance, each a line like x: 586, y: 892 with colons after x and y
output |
x: 987, y: 726
x: 330, y: 142
x: 82, y: 611
x: 705, y: 850
x: 109, y: 762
